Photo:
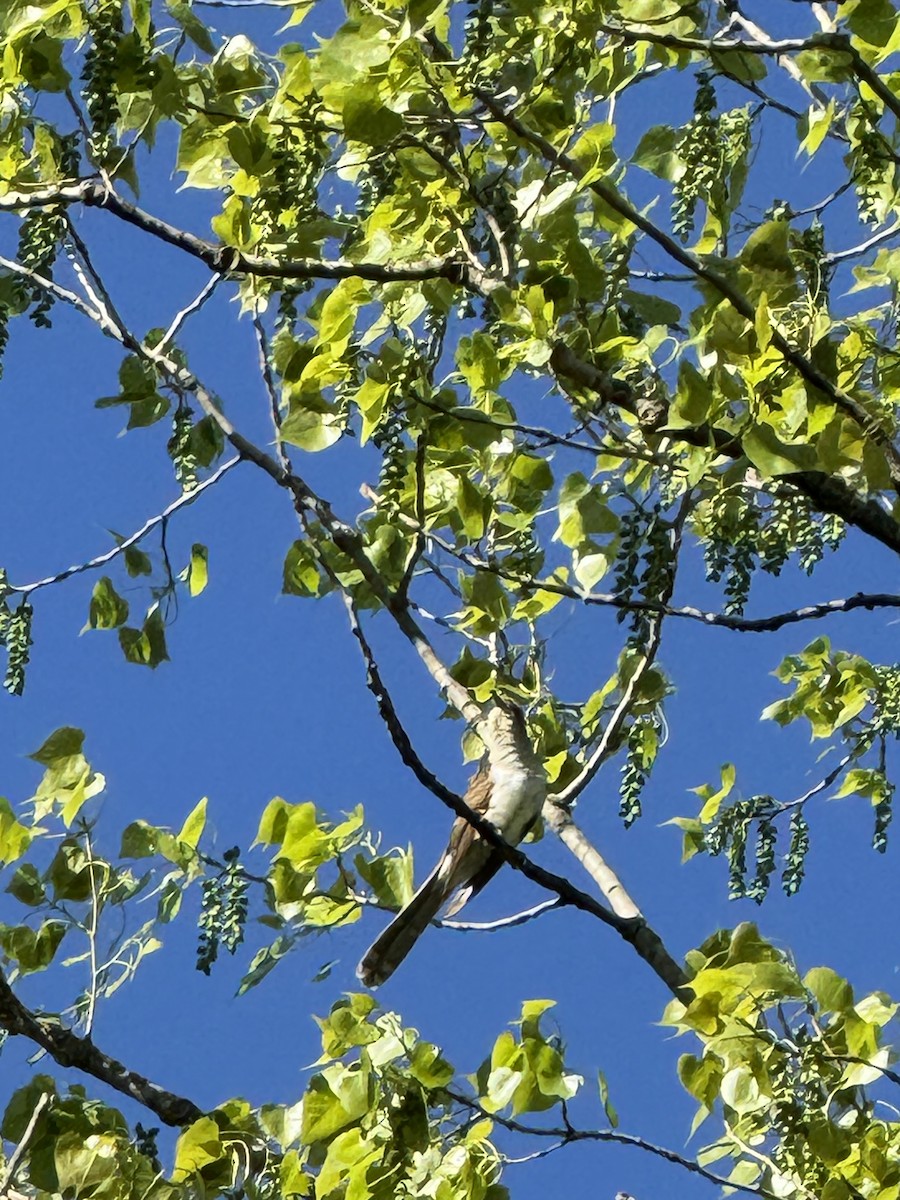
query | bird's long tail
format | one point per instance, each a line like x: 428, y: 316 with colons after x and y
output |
x: 388, y: 950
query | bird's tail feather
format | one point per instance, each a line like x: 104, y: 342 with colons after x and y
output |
x: 390, y: 948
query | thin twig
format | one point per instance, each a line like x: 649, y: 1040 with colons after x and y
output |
x: 305, y: 500
x: 91, y: 932
x: 509, y: 922
x: 827, y: 781
x: 101, y: 560
x: 768, y: 624
x: 15, y: 1158
x: 265, y: 370
x: 568, y: 1134
x: 418, y: 547
x: 514, y: 920
x: 609, y: 738
x: 855, y: 251
x: 195, y: 305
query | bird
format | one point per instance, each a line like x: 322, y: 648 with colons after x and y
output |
x: 508, y: 789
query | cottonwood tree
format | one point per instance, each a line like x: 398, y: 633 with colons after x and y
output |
x: 526, y: 272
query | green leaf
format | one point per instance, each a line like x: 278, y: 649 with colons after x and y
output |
x: 763, y: 323
x: 302, y: 575
x: 199, y: 1146
x: 108, y: 609
x: 701, y: 1077
x: 198, y: 569
x: 694, y: 841
x: 347, y: 1026
x: 311, y: 428
x: 192, y: 829
x: 336, y: 1098
x: 69, y: 874
x: 33, y: 950
x: 389, y: 876
x: 26, y: 886
x: 693, y: 399
x: 832, y: 992
x: 146, y: 647
x: 264, y: 961
x: 191, y: 24
x: 63, y: 744
x: 137, y: 562
x: 15, y: 838
x: 367, y: 119
x: 474, y: 509
x: 137, y: 382
x: 337, y: 318
x: 583, y: 510
x: 140, y: 16
x: 741, y: 1091
x: 139, y: 840
x: 656, y: 153
x: 68, y: 780
x: 40, y: 64
x: 429, y: 1067
x: 772, y: 457
x: 603, y: 1087
x: 824, y: 63
x: 818, y: 124
x: 740, y: 65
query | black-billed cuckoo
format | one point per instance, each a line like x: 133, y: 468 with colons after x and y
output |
x: 508, y: 790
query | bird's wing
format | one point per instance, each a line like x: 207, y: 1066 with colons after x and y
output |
x: 463, y: 839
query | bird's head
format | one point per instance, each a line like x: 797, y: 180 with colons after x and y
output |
x: 504, y: 728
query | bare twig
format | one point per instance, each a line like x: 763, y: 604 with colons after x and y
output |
x: 101, y: 560
x: 265, y: 370
x: 90, y: 929
x: 567, y: 1134
x: 12, y: 1164
x: 418, y: 548
x: 195, y: 305
x: 870, y: 601
x: 823, y: 783
x: 855, y: 251
x: 762, y: 38
x: 305, y: 499
x: 509, y: 922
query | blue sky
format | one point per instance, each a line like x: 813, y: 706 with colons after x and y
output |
x: 264, y: 695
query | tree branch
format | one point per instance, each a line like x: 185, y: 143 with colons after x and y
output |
x: 828, y: 493
x: 611, y: 196
x: 768, y: 624
x: 567, y: 1134
x: 69, y: 1050
x: 631, y: 926
x: 224, y: 260
x: 101, y: 560
x: 512, y: 854
x: 305, y: 499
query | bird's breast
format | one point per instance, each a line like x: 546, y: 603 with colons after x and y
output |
x: 516, y: 799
